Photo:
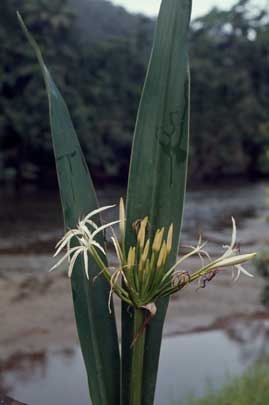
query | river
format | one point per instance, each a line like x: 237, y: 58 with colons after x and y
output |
x: 31, y: 221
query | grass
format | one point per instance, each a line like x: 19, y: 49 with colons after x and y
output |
x: 250, y: 389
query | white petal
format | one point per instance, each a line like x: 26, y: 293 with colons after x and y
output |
x: 62, y: 239
x: 232, y: 261
x: 230, y: 248
x: 66, y: 242
x: 104, y: 227
x: 228, y: 253
x: 89, y: 222
x: 98, y: 210
x: 235, y: 278
x: 86, y: 264
x: 84, y: 242
x: 73, y: 260
x: 96, y: 244
x: 64, y: 257
x: 69, y: 234
x: 68, y: 250
x: 117, y: 248
x: 85, y: 230
x: 234, y: 233
x: 240, y: 269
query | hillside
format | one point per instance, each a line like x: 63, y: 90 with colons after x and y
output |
x: 100, y: 19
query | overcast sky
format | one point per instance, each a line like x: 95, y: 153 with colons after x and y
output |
x: 151, y: 7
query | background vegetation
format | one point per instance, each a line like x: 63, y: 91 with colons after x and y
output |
x: 98, y: 54
x: 250, y: 389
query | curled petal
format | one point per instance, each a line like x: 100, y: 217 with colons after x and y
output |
x: 180, y: 277
x: 240, y: 269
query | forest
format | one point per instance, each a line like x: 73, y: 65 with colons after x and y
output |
x: 98, y: 55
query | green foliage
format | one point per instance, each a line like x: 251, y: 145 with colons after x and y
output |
x: 229, y: 56
x: 96, y: 326
x: 24, y: 132
x: 87, y: 79
x: 250, y: 389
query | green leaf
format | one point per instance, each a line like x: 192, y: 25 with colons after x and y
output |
x: 157, y: 178
x: 96, y: 328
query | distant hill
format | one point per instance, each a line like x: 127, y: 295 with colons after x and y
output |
x: 100, y: 19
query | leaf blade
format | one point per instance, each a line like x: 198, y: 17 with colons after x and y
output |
x: 96, y: 328
x: 159, y: 157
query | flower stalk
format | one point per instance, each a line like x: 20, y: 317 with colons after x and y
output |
x: 137, y: 358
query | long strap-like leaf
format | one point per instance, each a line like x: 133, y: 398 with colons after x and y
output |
x: 96, y: 328
x: 157, y: 178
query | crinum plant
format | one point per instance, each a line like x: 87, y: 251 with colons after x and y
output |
x: 147, y: 272
x: 142, y: 275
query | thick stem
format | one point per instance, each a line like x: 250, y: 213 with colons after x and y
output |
x: 137, y: 358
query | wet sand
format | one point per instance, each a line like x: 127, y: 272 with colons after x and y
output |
x: 36, y: 308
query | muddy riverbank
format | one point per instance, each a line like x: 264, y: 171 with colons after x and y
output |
x: 36, y: 309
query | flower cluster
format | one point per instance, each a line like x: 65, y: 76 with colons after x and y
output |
x: 85, y: 234
x: 143, y: 275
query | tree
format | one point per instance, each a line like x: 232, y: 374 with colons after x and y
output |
x: 24, y: 133
x: 230, y: 92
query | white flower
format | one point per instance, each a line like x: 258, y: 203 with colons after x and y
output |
x: 85, y: 234
x: 230, y: 258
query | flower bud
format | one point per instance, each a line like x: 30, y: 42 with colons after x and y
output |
x: 142, y: 232
x: 170, y: 238
x: 158, y: 240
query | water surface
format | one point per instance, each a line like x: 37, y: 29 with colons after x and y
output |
x: 188, y: 365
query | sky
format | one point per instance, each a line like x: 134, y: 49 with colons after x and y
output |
x: 151, y: 7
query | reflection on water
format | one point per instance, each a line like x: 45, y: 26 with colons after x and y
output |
x: 23, y: 366
x: 188, y: 364
x: 252, y: 337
